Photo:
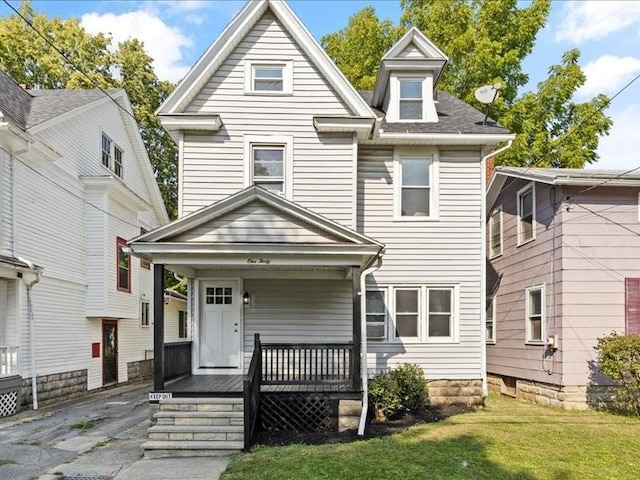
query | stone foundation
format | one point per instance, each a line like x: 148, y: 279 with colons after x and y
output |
x: 349, y: 412
x: 571, y: 397
x: 455, y: 392
x: 140, y: 371
x: 55, y: 388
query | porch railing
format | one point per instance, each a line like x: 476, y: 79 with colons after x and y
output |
x: 177, y: 359
x: 252, y: 393
x: 8, y: 360
x: 286, y: 363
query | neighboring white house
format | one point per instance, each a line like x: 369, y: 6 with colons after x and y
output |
x: 311, y: 213
x: 75, y: 183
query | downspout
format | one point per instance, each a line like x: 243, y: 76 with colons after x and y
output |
x: 34, y: 386
x: 363, y: 351
x: 483, y: 289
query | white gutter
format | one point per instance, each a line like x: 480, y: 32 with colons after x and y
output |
x: 483, y: 288
x: 34, y: 383
x: 363, y: 343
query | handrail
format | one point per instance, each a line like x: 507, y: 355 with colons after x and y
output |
x: 251, y: 392
x: 8, y: 360
x: 289, y: 363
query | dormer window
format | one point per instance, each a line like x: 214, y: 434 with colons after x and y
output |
x: 410, y: 99
x: 268, y: 78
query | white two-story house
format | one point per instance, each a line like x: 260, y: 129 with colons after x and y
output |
x: 327, y: 234
x: 75, y: 182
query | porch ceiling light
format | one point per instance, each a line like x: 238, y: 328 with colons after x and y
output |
x: 246, y: 298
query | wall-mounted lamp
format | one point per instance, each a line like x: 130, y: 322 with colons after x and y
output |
x: 246, y: 299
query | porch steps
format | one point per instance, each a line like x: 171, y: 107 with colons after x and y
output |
x: 195, y: 427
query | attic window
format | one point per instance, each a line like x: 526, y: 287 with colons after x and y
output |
x: 268, y: 78
x: 112, y: 156
x: 410, y: 100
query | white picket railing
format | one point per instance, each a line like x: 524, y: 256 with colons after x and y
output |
x: 8, y: 360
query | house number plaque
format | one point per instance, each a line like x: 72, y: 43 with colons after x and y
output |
x: 259, y: 261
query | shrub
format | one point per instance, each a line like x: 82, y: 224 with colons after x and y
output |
x: 619, y: 357
x: 398, y: 391
x: 412, y: 385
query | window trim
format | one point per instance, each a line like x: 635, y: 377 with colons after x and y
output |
x: 122, y: 242
x: 423, y: 325
x: 113, y: 147
x: 490, y: 340
x: 543, y: 320
x: 530, y: 186
x: 384, y: 292
x: 250, y: 66
x: 145, y: 320
x: 429, y: 113
x: 498, y: 210
x: 252, y: 141
x: 186, y: 324
x: 431, y: 156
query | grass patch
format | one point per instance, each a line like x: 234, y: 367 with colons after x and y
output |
x: 82, y: 425
x: 7, y: 462
x: 505, y: 440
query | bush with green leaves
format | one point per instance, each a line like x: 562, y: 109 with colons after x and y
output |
x: 398, y: 391
x: 619, y: 357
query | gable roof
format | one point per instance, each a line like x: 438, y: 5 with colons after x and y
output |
x: 418, y: 39
x: 49, y: 104
x: 251, y: 194
x: 579, y: 177
x: 15, y: 101
x: 224, y: 45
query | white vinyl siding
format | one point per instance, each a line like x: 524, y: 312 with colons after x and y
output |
x: 213, y: 166
x: 445, y: 253
x: 297, y: 311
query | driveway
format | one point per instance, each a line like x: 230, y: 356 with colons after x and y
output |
x: 95, y: 438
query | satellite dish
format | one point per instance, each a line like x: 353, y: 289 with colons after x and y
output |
x: 488, y: 93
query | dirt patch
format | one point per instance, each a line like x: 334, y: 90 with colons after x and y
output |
x: 374, y: 428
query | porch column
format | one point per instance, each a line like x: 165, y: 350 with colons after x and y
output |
x: 158, y: 327
x: 357, y: 328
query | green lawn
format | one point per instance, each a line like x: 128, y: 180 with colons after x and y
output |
x: 505, y: 440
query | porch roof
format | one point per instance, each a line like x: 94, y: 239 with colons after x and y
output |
x: 255, y: 228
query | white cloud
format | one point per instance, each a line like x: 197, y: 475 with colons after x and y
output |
x: 607, y: 74
x: 621, y: 149
x: 162, y: 42
x: 589, y: 20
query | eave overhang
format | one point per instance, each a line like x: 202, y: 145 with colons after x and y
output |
x: 440, y: 139
x: 185, y: 122
x: 361, y: 126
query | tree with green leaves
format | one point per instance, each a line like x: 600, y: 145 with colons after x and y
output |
x: 87, y: 63
x: 487, y: 42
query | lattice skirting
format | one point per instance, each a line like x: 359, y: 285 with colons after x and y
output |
x: 309, y: 412
x: 8, y: 403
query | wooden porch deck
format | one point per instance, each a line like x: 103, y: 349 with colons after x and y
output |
x: 232, y: 386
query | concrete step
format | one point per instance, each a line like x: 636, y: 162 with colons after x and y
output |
x: 199, y: 414
x: 199, y: 418
x: 202, y: 405
x: 196, y: 428
x: 161, y: 449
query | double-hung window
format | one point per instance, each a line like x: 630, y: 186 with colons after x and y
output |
x: 182, y: 324
x: 376, y: 314
x: 144, y: 314
x: 415, y: 191
x: 268, y: 78
x: 268, y: 166
x: 495, y: 233
x: 123, y: 259
x: 440, y: 313
x: 526, y: 214
x: 407, y: 312
x: 410, y: 100
x: 535, y: 314
x: 490, y: 320
x: 112, y: 156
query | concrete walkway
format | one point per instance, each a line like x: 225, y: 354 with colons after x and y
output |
x: 48, y: 445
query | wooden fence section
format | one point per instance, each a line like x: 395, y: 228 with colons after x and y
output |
x: 177, y: 359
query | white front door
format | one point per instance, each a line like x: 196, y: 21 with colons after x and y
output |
x: 220, y: 332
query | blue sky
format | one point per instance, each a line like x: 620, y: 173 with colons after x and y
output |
x: 176, y: 33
